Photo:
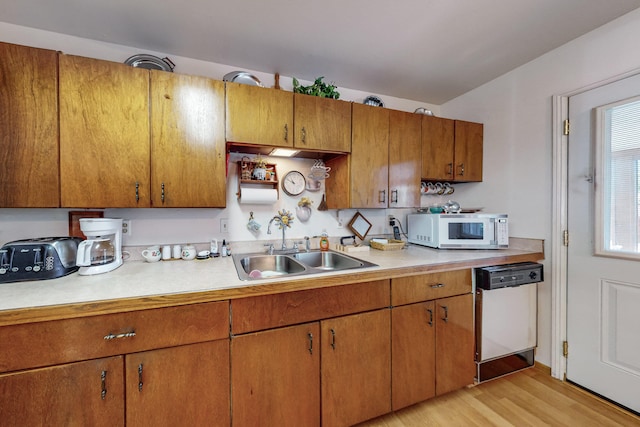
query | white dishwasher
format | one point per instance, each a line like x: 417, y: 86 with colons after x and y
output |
x: 506, y: 318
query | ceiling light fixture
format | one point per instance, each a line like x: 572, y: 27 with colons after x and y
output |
x: 283, y: 152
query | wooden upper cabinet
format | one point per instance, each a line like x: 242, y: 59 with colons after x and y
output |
x: 468, y: 151
x: 187, y: 141
x: 437, y: 148
x: 259, y: 116
x: 451, y: 150
x: 322, y: 124
x: 28, y: 127
x: 104, y: 134
x: 369, y: 176
x: 405, y: 149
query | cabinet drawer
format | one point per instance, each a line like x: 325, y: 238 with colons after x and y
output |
x: 61, y: 341
x: 272, y: 311
x: 407, y: 290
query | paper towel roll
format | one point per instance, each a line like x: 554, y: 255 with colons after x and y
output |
x: 258, y: 196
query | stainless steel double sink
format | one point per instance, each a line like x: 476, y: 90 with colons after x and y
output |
x: 262, y: 266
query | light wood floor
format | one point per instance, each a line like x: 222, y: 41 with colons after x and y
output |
x: 526, y: 398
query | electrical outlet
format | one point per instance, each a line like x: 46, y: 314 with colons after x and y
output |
x: 126, y: 227
x: 224, y: 225
x: 392, y: 220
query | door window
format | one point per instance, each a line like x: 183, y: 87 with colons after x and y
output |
x: 617, y: 193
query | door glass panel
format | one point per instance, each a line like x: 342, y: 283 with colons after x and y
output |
x: 617, y: 192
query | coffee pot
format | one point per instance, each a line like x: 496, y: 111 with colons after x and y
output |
x: 102, y: 251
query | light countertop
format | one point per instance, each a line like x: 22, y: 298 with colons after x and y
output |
x: 181, y: 282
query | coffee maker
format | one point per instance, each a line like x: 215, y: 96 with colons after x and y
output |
x: 102, y: 251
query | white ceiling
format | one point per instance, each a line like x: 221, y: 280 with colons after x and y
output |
x: 424, y: 50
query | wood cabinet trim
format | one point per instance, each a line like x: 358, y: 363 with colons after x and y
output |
x: 272, y: 311
x: 70, y: 340
x: 407, y: 290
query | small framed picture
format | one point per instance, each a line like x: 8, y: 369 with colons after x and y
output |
x: 359, y: 225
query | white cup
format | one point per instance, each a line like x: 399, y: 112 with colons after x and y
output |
x: 152, y: 254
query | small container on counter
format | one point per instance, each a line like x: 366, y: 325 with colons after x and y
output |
x: 177, y: 251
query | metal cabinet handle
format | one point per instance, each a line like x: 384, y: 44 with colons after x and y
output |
x: 461, y: 166
x: 162, y: 192
x: 137, y: 191
x: 304, y: 135
x: 310, y: 335
x: 103, y: 387
x: 333, y: 339
x: 430, y: 316
x: 394, y: 196
x: 382, y: 196
x: 450, y: 166
x: 118, y: 336
x: 446, y: 313
x: 438, y: 285
x: 140, y: 367
x: 286, y: 132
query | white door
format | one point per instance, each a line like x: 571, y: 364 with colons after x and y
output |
x: 603, y: 283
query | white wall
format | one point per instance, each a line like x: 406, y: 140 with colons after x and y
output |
x: 516, y: 110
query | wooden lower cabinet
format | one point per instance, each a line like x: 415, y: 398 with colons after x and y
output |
x: 433, y: 349
x: 87, y: 393
x: 275, y: 377
x: 455, y: 366
x: 356, y: 368
x: 413, y: 336
x: 186, y: 385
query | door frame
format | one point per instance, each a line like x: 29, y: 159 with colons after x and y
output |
x: 560, y: 200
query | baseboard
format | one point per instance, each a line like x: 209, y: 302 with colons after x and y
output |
x: 542, y: 368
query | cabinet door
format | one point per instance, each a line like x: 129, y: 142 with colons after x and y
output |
x: 28, y: 128
x: 275, y: 377
x: 79, y: 394
x: 455, y: 366
x: 413, y: 354
x: 104, y: 134
x: 369, y: 157
x: 437, y: 148
x: 468, y: 151
x: 405, y: 150
x: 258, y: 115
x: 322, y: 124
x: 186, y: 385
x: 356, y: 368
x: 188, y: 146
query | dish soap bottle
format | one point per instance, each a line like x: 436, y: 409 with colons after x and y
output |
x: 223, y: 251
x: 324, y: 241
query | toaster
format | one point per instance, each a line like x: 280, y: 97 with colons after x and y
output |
x: 38, y: 259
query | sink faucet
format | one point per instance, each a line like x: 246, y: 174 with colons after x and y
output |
x: 278, y: 219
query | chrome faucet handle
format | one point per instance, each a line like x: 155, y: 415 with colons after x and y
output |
x: 307, y: 243
x: 269, y: 248
x: 295, y: 245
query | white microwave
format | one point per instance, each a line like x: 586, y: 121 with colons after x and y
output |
x: 459, y: 231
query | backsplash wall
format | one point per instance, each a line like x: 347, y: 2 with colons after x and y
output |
x: 198, y: 225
